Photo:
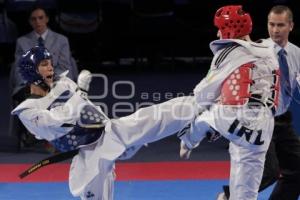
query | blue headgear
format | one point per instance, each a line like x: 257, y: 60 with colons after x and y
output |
x: 29, y: 62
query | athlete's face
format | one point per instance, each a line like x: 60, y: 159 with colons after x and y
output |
x: 279, y: 28
x: 45, y: 69
x: 39, y: 20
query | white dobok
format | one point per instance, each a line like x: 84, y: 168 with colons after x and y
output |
x: 69, y: 121
x: 240, y: 94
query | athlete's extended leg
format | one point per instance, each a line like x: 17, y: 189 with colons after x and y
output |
x: 154, y: 122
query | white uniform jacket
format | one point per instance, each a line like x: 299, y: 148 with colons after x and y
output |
x: 56, y: 114
x: 256, y: 123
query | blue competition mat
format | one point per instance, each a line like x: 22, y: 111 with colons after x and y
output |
x: 125, y: 190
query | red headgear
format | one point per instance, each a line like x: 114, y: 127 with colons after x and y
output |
x: 233, y: 22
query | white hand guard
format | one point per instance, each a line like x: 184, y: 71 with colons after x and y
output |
x: 84, y: 80
x: 186, y: 144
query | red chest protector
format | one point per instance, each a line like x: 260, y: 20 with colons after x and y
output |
x: 236, y: 88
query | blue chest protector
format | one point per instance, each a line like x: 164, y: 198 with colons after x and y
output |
x: 87, y: 130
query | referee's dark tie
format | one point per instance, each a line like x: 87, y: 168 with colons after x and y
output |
x: 40, y: 41
x: 284, y: 78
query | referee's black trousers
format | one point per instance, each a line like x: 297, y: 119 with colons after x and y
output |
x: 283, y: 161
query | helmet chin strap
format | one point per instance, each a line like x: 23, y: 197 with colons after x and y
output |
x: 43, y: 85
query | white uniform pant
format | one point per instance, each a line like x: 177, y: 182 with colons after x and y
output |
x: 246, y: 170
x: 249, y: 132
x: 91, y: 173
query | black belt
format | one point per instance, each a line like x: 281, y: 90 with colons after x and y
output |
x: 50, y: 160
